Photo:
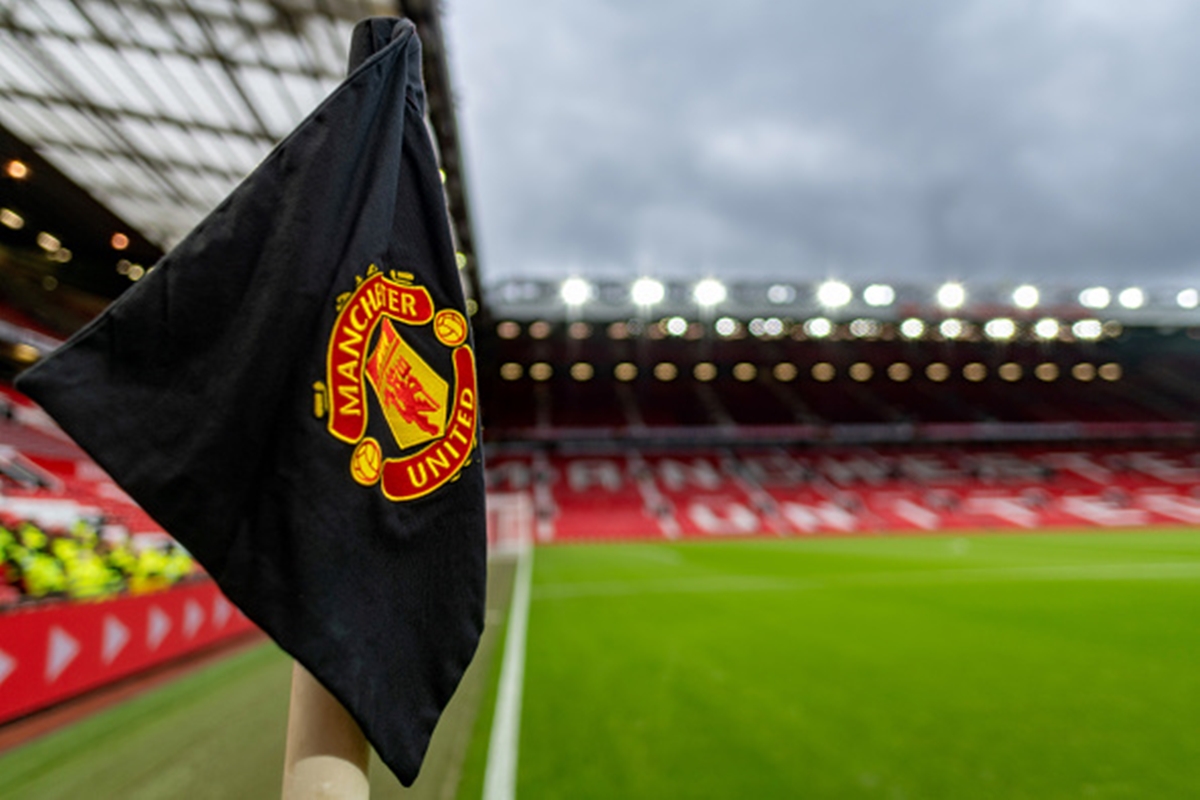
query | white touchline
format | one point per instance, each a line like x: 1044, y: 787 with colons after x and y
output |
x: 500, y: 779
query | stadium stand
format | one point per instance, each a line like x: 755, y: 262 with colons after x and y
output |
x: 636, y: 494
x: 622, y: 436
x: 66, y: 530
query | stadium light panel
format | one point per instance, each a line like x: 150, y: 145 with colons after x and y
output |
x: 757, y: 326
x: 709, y: 292
x: 879, y: 295
x: 665, y: 371
x: 865, y: 328
x: 781, y: 293
x: 912, y: 328
x: 11, y: 219
x: 861, y: 371
x: 726, y: 326
x: 1188, y: 298
x: 1095, y: 297
x: 1088, y: 329
x: 1010, y: 372
x: 647, y: 291
x: 1026, y: 297
x: 1131, y: 298
x: 823, y: 372
x: 745, y: 371
x: 1046, y: 372
x: 575, y: 291
x: 974, y: 372
x: 818, y: 327
x: 834, y: 294
x: 48, y: 242
x: 1046, y: 329
x: 785, y: 372
x: 677, y: 326
x: 951, y: 295
x: 1000, y: 330
x: 773, y: 326
x: 951, y: 328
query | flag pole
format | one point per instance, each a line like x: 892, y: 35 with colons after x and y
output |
x: 327, y: 754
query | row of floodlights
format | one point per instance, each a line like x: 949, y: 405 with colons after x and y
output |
x: 823, y: 372
x: 835, y: 294
x: 18, y: 170
x: 1001, y: 329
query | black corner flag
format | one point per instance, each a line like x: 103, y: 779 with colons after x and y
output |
x: 291, y: 393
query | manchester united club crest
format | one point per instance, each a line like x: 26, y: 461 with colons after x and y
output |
x: 430, y: 409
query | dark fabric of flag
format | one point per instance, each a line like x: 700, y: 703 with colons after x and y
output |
x: 291, y: 393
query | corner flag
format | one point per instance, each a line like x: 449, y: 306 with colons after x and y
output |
x: 291, y: 393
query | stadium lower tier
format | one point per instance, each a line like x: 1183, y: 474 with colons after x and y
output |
x: 641, y: 494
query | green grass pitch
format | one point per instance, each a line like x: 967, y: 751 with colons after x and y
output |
x: 991, y: 666
x: 995, y: 666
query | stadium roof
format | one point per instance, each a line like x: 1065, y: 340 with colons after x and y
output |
x: 159, y: 108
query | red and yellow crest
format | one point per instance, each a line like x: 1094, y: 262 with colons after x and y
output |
x: 432, y: 416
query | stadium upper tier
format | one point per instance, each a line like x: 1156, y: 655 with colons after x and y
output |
x: 550, y: 381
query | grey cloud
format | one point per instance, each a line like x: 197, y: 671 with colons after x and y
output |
x: 867, y: 139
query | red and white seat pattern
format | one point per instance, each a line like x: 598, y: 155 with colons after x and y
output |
x: 632, y: 494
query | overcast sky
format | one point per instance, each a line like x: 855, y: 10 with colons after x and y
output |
x: 1043, y: 139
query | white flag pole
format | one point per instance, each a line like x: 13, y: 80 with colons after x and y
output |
x: 327, y: 754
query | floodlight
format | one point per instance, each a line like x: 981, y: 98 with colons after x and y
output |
x: 1188, y: 298
x: 1000, y: 329
x: 864, y: 328
x: 1133, y: 297
x: 879, y: 294
x: 726, y: 326
x: 1095, y: 297
x: 781, y: 293
x: 709, y: 292
x: 818, y: 327
x: 48, y: 242
x: 11, y: 219
x: 647, y: 291
x: 834, y: 294
x: 677, y: 326
x: 1046, y: 329
x: 1087, y: 329
x: 1026, y: 297
x: 951, y: 328
x: 951, y: 295
x: 575, y: 291
x: 912, y: 328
